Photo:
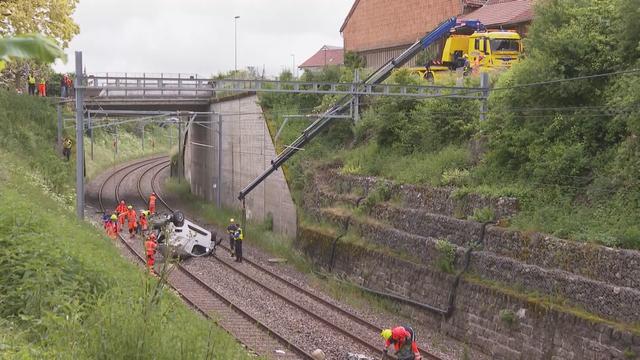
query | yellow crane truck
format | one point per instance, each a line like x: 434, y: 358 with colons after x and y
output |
x: 471, y: 47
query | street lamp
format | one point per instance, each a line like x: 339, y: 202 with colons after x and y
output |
x: 235, y: 25
x: 293, y: 65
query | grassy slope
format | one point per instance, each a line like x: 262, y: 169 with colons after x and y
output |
x: 65, y: 291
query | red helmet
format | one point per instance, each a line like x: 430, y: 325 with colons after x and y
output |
x: 399, y: 333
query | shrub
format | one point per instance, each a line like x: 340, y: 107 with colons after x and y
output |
x: 446, y: 256
x: 508, y: 317
x: 482, y: 215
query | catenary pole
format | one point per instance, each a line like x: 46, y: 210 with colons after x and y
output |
x: 79, y: 138
x: 219, y: 192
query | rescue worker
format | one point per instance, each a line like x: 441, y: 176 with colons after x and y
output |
x: 42, y: 87
x: 152, y: 203
x: 238, y: 236
x: 31, y: 81
x: 231, y: 230
x: 121, y: 212
x: 66, y: 148
x: 150, y: 248
x: 143, y: 223
x: 112, y: 226
x: 132, y: 220
x: 404, y: 342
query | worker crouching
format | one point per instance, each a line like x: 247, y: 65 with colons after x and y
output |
x: 150, y: 248
x: 404, y: 343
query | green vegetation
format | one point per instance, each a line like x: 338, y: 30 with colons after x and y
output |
x: 508, y: 317
x: 66, y: 292
x: 129, y: 145
x: 446, y: 256
x: 567, y: 150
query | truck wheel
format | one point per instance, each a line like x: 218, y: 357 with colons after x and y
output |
x: 429, y: 77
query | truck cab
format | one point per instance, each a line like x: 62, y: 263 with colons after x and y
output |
x: 494, y: 48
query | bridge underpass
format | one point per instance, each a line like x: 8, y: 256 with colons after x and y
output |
x: 226, y: 142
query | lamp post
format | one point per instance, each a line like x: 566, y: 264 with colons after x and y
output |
x: 293, y: 66
x: 235, y: 44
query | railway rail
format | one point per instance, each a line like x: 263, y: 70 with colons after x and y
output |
x: 231, y: 317
x: 321, y: 310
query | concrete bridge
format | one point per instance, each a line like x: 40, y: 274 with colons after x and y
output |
x: 225, y: 140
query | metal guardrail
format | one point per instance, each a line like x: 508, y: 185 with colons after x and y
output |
x: 109, y: 86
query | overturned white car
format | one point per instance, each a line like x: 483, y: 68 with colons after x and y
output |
x: 182, y: 237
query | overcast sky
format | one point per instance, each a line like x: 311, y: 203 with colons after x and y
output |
x: 197, y: 36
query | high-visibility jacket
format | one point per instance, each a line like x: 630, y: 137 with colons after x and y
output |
x: 132, y: 218
x: 144, y: 224
x: 31, y: 80
x: 121, y: 208
x: 403, y: 342
x: 239, y: 234
x: 67, y: 143
x: 150, y: 246
x: 152, y: 203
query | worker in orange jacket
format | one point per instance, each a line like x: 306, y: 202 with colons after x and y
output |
x: 120, y: 210
x: 152, y: 203
x: 403, y: 339
x: 150, y: 248
x: 143, y: 223
x: 112, y: 226
x: 132, y: 220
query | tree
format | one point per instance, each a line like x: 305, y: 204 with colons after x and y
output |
x: 27, y: 47
x: 51, y: 18
x: 353, y: 60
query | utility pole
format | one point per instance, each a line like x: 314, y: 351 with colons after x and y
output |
x: 180, y: 150
x: 235, y: 43
x: 356, y: 98
x: 90, y: 132
x: 219, y: 185
x: 79, y: 138
x: 142, y: 137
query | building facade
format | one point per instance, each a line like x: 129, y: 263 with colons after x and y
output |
x: 380, y: 30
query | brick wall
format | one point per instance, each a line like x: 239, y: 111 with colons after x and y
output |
x: 377, y: 24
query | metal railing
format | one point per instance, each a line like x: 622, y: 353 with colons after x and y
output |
x: 193, y: 86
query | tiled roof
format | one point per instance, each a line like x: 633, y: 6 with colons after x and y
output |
x: 333, y: 55
x: 503, y: 12
x: 475, y: 3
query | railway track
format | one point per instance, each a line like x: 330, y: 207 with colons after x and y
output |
x: 314, y: 306
x: 247, y: 329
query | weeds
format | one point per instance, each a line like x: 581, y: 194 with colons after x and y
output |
x: 446, y: 256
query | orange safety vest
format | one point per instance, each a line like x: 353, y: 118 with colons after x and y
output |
x: 150, y: 246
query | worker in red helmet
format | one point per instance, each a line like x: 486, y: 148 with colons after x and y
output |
x: 403, y: 340
x: 132, y: 220
x: 152, y: 203
x: 150, y: 248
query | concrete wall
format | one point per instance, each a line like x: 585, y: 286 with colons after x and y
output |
x: 247, y: 150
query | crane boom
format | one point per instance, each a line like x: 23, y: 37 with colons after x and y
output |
x: 343, y: 103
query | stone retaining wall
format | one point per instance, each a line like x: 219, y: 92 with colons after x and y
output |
x: 532, y: 331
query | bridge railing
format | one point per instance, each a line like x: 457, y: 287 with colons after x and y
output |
x: 192, y: 86
x: 117, y: 85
